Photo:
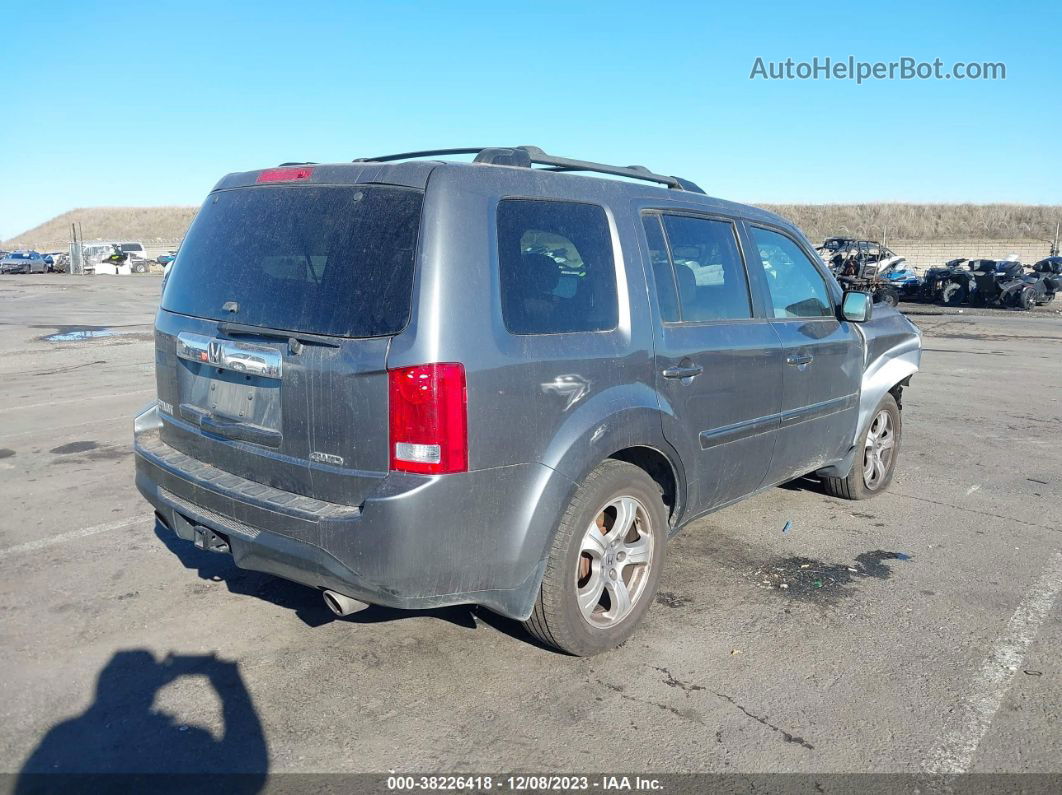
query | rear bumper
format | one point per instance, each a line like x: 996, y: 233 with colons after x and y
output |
x: 418, y: 542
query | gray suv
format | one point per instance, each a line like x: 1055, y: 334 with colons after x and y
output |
x: 415, y: 382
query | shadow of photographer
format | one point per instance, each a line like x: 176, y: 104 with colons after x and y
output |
x: 123, y: 737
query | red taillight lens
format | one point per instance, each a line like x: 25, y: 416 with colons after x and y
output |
x: 429, y: 420
x: 284, y: 174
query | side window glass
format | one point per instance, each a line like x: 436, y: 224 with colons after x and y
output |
x: 709, y: 272
x: 557, y: 267
x: 663, y: 275
x: 796, y: 286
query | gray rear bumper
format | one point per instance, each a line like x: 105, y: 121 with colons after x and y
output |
x: 418, y: 542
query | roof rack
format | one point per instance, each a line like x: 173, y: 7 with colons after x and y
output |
x: 525, y: 156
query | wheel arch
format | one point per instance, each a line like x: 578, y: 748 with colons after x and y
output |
x: 632, y: 434
x: 657, y: 465
x: 626, y: 423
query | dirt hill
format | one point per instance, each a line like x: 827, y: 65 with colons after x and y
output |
x: 152, y: 226
x: 165, y: 226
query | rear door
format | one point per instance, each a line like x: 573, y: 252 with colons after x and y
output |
x: 718, y: 362
x: 272, y: 336
x: 823, y: 356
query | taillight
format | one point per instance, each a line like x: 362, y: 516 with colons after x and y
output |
x: 284, y: 174
x: 428, y: 419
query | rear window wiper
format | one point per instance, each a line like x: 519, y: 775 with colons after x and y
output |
x: 245, y: 330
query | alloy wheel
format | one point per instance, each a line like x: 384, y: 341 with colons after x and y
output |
x: 878, y: 451
x: 615, y: 558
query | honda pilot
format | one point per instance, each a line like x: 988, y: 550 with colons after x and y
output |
x: 415, y: 382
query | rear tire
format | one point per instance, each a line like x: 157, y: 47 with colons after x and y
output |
x: 591, y: 553
x: 953, y: 294
x: 872, y: 470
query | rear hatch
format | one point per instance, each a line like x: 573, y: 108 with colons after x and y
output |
x: 272, y: 336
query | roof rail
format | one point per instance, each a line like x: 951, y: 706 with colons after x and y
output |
x: 525, y: 156
x: 414, y: 155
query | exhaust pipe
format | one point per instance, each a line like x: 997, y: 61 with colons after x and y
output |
x: 342, y: 605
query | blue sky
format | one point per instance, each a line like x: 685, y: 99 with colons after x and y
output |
x: 148, y: 103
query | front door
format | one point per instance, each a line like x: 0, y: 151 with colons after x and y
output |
x: 718, y: 364
x: 823, y: 358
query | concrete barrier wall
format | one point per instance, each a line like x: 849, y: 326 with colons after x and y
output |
x: 924, y: 254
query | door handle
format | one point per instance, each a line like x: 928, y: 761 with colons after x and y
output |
x: 799, y: 358
x: 683, y: 372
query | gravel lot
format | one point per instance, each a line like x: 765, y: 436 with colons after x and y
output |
x: 919, y: 630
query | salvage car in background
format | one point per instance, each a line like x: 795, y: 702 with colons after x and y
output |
x: 93, y: 254
x: 936, y: 279
x: 990, y: 282
x: 862, y: 265
x: 138, y: 261
x: 834, y: 250
x: 23, y: 262
x: 1049, y: 274
x: 904, y: 279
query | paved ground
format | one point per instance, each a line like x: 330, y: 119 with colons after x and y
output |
x: 934, y: 641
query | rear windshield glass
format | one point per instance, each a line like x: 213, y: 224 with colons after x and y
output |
x: 324, y: 260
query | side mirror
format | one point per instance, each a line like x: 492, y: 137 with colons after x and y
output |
x: 856, y: 307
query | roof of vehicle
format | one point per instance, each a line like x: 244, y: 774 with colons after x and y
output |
x: 413, y: 169
x: 22, y: 255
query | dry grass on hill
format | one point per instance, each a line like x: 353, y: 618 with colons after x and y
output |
x: 923, y: 221
x: 165, y: 226
x: 153, y: 226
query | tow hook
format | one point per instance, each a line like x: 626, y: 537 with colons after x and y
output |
x: 207, y: 539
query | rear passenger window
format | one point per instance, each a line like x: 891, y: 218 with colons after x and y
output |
x: 709, y: 271
x: 557, y: 267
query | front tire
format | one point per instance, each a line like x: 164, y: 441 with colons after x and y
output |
x: 888, y: 295
x: 872, y: 470
x: 1025, y: 298
x: 604, y: 563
